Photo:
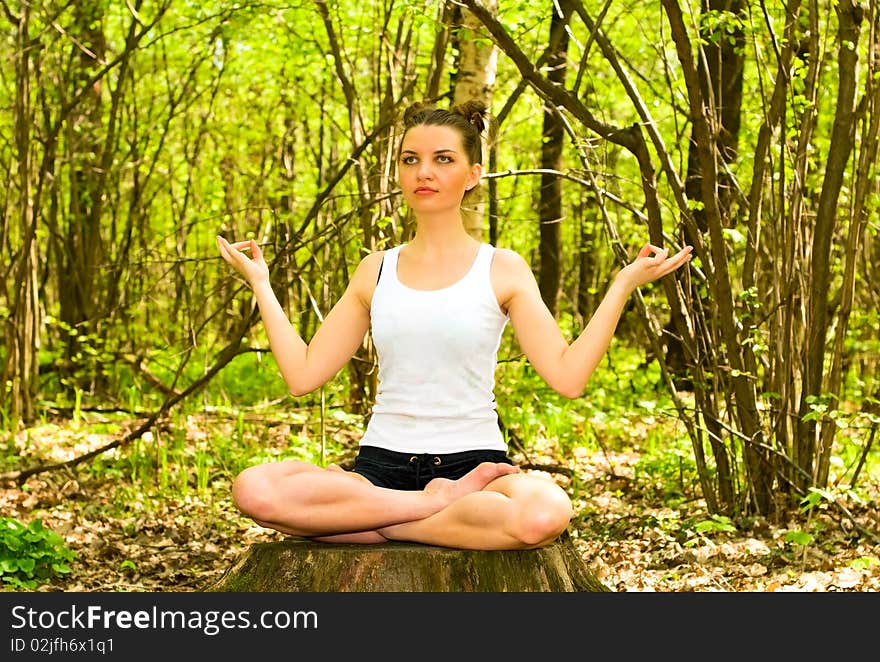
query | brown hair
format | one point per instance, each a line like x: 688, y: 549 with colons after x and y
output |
x: 470, y: 119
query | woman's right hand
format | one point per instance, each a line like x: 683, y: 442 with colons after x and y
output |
x: 254, y: 268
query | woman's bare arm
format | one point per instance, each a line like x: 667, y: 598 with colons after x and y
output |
x: 567, y: 367
x: 307, y: 366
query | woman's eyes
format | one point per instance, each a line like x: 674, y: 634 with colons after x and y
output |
x: 412, y: 160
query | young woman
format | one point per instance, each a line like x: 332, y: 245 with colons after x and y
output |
x: 432, y: 464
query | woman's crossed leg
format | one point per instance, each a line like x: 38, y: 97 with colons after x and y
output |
x: 494, y: 506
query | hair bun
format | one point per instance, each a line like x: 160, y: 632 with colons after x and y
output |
x: 474, y: 112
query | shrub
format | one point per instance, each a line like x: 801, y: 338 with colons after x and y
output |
x: 31, y: 555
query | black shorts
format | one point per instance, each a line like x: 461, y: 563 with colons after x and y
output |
x: 407, y: 471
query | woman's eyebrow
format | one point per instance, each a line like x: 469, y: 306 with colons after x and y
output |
x: 436, y: 151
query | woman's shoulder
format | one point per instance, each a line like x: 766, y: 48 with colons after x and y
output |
x: 508, y: 262
x: 510, y: 275
x: 367, y: 269
x: 366, y: 276
x: 370, y: 259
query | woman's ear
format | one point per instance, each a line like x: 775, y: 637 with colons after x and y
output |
x: 476, y: 175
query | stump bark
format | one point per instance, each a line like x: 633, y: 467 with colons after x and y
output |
x: 301, y: 565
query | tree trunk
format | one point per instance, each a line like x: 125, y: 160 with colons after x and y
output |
x: 722, y: 58
x: 866, y: 181
x: 589, y: 221
x: 725, y: 343
x: 850, y: 15
x: 79, y: 281
x: 475, y: 80
x: 300, y: 565
x: 553, y: 135
x: 19, y: 378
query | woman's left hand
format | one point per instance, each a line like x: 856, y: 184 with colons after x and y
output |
x: 652, y: 263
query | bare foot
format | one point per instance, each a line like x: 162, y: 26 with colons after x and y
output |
x: 360, y: 537
x: 473, y: 481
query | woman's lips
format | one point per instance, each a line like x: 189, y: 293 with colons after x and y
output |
x: 424, y: 190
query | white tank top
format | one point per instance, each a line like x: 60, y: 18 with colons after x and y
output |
x: 437, y: 353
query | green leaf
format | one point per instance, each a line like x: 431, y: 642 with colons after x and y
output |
x: 864, y: 562
x: 799, y: 537
x: 27, y: 564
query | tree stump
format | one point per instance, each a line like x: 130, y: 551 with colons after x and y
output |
x: 302, y: 565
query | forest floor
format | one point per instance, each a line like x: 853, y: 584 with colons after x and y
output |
x: 127, y: 539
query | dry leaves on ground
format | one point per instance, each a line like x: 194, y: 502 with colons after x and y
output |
x: 624, y: 531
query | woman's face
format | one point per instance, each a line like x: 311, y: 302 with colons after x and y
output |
x: 433, y: 169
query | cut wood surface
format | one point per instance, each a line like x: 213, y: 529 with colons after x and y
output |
x: 301, y: 565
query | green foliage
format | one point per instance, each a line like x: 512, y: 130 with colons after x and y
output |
x: 715, y: 524
x: 31, y: 555
x: 538, y: 415
x: 699, y: 531
x: 666, y: 463
x: 248, y: 380
x: 865, y: 563
x: 798, y: 537
x: 816, y: 497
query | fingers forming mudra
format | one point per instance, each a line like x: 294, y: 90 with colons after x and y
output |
x: 252, y: 268
x: 654, y: 262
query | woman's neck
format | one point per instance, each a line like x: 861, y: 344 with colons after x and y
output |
x: 440, y: 236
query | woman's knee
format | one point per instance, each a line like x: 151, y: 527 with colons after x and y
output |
x: 255, y: 490
x: 544, y: 516
x: 251, y: 492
